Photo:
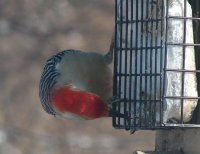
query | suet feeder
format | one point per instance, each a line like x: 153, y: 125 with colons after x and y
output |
x: 155, y: 73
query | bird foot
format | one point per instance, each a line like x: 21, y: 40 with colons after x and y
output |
x: 113, y: 100
x: 132, y: 131
x: 173, y: 121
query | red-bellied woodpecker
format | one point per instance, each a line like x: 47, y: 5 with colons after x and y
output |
x: 77, y: 85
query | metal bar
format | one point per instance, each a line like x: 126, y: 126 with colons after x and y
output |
x: 135, y: 21
x: 183, y: 44
x: 180, y: 97
x: 139, y: 75
x: 165, y: 58
x: 155, y: 65
x: 183, y: 63
x: 131, y: 62
x: 120, y: 58
x: 115, y: 66
x: 142, y: 100
x: 142, y: 48
x: 181, y: 17
x: 196, y: 29
x: 180, y: 125
x: 125, y: 69
x: 146, y: 62
x: 136, y: 63
x: 141, y: 51
x: 183, y: 70
x: 151, y: 60
x: 161, y: 62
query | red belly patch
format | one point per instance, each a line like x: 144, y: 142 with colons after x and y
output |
x: 85, y: 104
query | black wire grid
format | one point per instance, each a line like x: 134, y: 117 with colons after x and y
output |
x: 142, y: 43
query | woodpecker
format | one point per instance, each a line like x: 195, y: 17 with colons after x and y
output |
x: 76, y: 85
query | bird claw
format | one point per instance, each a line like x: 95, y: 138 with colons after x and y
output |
x: 173, y: 121
x: 112, y: 100
x: 132, y: 131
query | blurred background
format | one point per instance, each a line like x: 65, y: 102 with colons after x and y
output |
x: 30, y: 32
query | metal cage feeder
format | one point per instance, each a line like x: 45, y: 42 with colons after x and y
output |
x: 155, y: 72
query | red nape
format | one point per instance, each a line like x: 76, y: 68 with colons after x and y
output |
x: 81, y: 103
